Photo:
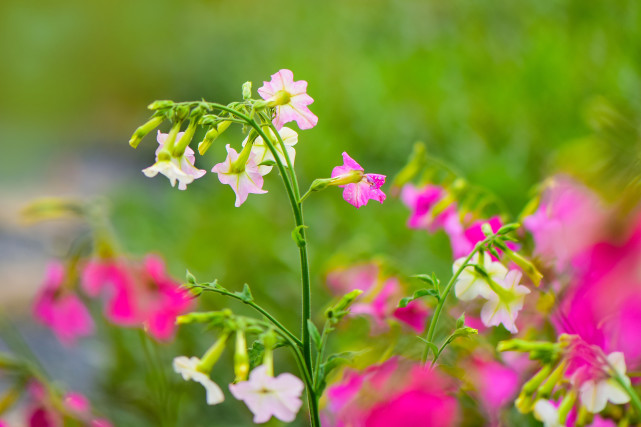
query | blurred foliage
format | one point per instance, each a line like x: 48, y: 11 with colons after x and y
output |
x: 498, y: 89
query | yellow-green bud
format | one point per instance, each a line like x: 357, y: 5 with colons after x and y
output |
x: 160, y: 105
x: 524, y: 403
x: 213, y: 354
x: 143, y: 130
x: 241, y: 357
x: 247, y: 90
x: 350, y: 177
x: 528, y: 268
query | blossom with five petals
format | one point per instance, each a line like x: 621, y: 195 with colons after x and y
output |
x: 188, y: 368
x: 243, y: 180
x: 359, y: 187
x: 179, y: 169
x: 504, y: 303
x: 290, y: 99
x: 267, y: 396
x: 470, y: 283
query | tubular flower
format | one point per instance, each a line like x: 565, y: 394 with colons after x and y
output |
x: 61, y: 309
x: 290, y: 100
x: 470, y: 283
x: 504, y: 303
x: 262, y: 154
x: 243, y: 180
x: 188, y: 368
x: 267, y: 396
x: 179, y: 169
x: 359, y: 187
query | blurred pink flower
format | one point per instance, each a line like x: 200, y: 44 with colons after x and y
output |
x: 138, y: 295
x: 267, y: 396
x: 395, y: 393
x: 496, y: 384
x: 179, y: 169
x: 243, y: 182
x: 379, y: 301
x: 358, y: 193
x: 421, y: 201
x: 291, y: 100
x: 569, y: 220
x: 60, y: 308
x: 42, y: 412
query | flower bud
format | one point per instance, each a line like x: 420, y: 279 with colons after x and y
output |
x: 338, y: 310
x: 528, y: 268
x: 535, y: 382
x: 143, y: 130
x: 241, y: 357
x: 181, y: 112
x: 247, y: 90
x: 546, y: 389
x: 524, y: 403
x: 566, y: 406
x: 160, y: 105
x: 212, y: 355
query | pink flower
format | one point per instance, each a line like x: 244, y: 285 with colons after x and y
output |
x: 570, y: 219
x: 179, y: 169
x: 359, y: 276
x: 395, y: 393
x: 243, y: 182
x: 290, y: 99
x: 267, y: 396
x: 138, y: 295
x: 421, y: 202
x: 496, y: 384
x: 60, y: 308
x: 360, y: 188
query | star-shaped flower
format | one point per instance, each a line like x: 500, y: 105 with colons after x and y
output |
x: 504, y: 306
x: 243, y: 182
x: 188, y: 368
x: 267, y: 396
x: 595, y: 393
x: 470, y: 283
x: 290, y: 99
x: 179, y: 169
x: 262, y: 154
x: 359, y: 187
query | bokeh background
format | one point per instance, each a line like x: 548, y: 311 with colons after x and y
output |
x: 507, y: 92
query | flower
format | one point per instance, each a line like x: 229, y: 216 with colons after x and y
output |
x: 470, y: 284
x: 138, y: 294
x: 188, y: 368
x: 421, y: 202
x: 359, y: 188
x: 243, y: 181
x: 596, y: 391
x: 60, y: 308
x: 547, y: 412
x: 504, y: 306
x: 262, y: 153
x: 290, y: 99
x: 267, y: 396
x: 394, y: 393
x: 179, y: 169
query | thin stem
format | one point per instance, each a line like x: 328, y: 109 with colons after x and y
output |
x: 441, y: 302
x: 256, y: 307
x: 321, y: 352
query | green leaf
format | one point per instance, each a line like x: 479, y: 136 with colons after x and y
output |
x: 431, y: 345
x: 314, y: 334
x: 299, y: 236
x: 419, y: 294
x: 190, y: 278
x: 256, y: 352
x: 508, y: 227
x: 425, y: 278
x: 245, y: 295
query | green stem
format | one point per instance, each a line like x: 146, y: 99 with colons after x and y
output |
x: 439, y: 307
x: 321, y: 352
x: 256, y: 307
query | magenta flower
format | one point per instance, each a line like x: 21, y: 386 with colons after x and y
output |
x: 569, y: 220
x: 290, y: 100
x: 60, y: 308
x: 267, y: 396
x: 359, y: 188
x: 179, y: 169
x: 138, y: 295
x: 421, y: 202
x: 244, y: 180
x: 496, y: 384
x: 395, y: 393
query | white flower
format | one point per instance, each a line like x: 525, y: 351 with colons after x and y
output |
x: 188, y: 368
x: 546, y: 412
x: 265, y: 395
x: 504, y: 306
x: 594, y: 393
x: 179, y: 169
x: 263, y: 154
x: 471, y: 284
